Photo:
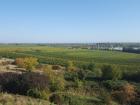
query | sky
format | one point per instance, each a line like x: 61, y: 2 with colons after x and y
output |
x: 69, y: 21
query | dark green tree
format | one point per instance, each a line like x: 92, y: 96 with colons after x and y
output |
x: 111, y: 72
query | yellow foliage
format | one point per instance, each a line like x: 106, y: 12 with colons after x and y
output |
x: 71, y: 67
x: 28, y: 62
x: 126, y: 94
x: 129, y: 92
x: 56, y: 78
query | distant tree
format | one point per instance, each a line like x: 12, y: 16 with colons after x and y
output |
x: 111, y: 72
x: 28, y: 62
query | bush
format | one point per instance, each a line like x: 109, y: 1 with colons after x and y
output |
x: 28, y: 62
x: 72, y: 100
x: 111, y: 72
x: 114, y: 84
x: 57, y: 81
x: 125, y: 95
x: 132, y: 76
x: 10, y: 82
x: 106, y: 98
x: 82, y: 74
x: 96, y: 74
x: 78, y: 83
x: 35, y: 80
x: 93, y: 86
x: 22, y: 83
x: 38, y: 93
x: 79, y: 74
x: 70, y: 66
x: 89, y: 66
x: 56, y: 99
x: 70, y: 76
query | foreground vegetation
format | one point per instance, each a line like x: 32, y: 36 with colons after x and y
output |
x: 11, y: 99
x: 65, y: 76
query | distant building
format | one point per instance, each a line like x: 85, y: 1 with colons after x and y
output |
x: 117, y: 48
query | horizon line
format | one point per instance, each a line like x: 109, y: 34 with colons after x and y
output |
x: 61, y: 42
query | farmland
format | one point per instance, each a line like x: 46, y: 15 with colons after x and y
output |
x: 55, y: 55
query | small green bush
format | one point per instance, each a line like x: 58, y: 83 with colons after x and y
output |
x: 70, y: 76
x: 110, y: 84
x: 111, y: 72
x: 72, y: 100
x: 38, y: 93
x: 89, y: 66
x: 56, y: 80
x: 78, y: 83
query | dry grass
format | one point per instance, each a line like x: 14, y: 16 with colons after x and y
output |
x: 8, y: 99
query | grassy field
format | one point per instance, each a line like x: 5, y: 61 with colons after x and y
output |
x: 55, y: 55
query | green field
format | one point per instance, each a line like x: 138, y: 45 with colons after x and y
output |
x: 55, y: 55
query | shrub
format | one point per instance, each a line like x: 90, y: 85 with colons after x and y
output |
x: 56, y: 99
x: 10, y: 82
x: 82, y: 74
x: 70, y: 76
x: 38, y: 93
x: 106, y: 98
x: 78, y: 83
x: 70, y: 66
x: 23, y: 83
x: 33, y: 93
x: 111, y: 72
x: 114, y: 84
x: 89, y: 66
x: 28, y: 62
x: 125, y: 95
x: 35, y: 80
x: 57, y: 81
x: 72, y: 100
x: 132, y: 76
x: 79, y: 74
x: 96, y: 74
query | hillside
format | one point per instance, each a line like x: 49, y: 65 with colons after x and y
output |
x: 68, y: 76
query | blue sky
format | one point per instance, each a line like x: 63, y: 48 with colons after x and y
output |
x: 57, y: 21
